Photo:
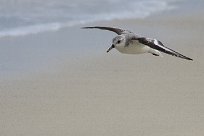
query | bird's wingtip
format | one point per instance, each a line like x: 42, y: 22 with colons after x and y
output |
x: 190, y: 59
x: 83, y: 27
x: 87, y: 27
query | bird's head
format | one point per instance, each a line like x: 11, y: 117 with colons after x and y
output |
x: 118, y: 41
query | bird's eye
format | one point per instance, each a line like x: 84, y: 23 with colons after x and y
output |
x: 118, y: 41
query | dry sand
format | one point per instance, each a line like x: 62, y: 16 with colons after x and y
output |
x: 113, y: 94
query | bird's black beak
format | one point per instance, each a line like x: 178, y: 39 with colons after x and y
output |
x: 112, y: 46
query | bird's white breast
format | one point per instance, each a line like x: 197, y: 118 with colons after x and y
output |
x: 133, y: 48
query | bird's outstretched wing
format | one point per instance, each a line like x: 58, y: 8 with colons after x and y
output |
x: 155, y: 44
x: 116, y: 30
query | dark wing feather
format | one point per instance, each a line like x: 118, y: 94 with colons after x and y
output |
x: 155, y: 44
x: 116, y: 30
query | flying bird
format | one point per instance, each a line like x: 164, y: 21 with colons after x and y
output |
x: 129, y: 43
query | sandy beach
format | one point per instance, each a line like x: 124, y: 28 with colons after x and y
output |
x: 92, y: 93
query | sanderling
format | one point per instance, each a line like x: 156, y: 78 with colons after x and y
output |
x: 129, y: 43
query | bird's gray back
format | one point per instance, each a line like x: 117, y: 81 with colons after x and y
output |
x: 129, y: 37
